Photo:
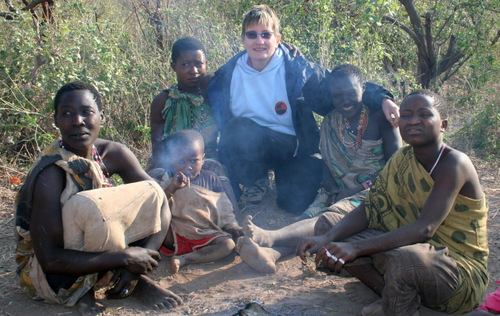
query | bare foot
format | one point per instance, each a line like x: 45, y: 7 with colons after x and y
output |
x: 88, y: 306
x: 176, y: 263
x: 258, y: 235
x: 155, y: 297
x: 360, y: 293
x: 260, y: 259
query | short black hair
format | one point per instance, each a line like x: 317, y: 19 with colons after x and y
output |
x: 185, y: 44
x: 438, y: 100
x: 347, y: 70
x: 183, y: 138
x: 78, y: 85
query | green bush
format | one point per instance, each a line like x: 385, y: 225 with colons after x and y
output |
x: 123, y: 48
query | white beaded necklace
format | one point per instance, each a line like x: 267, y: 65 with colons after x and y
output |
x: 438, y: 158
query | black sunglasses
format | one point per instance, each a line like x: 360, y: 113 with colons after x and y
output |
x: 253, y: 35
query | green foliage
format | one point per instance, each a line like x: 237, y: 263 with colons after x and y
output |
x: 123, y: 48
x: 481, y: 131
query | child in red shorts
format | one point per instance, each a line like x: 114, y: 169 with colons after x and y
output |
x: 203, y: 221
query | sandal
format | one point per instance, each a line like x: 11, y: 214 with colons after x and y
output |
x: 254, y: 194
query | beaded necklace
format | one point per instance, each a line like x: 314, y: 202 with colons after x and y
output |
x: 194, y: 118
x: 438, y: 158
x: 97, y: 158
x: 344, y: 127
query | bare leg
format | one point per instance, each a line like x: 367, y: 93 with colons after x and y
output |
x: 219, y: 248
x: 156, y: 240
x: 261, y: 259
x: 375, y: 281
x: 360, y: 293
x: 369, y: 276
x: 87, y: 305
x: 153, y: 296
x: 287, y: 236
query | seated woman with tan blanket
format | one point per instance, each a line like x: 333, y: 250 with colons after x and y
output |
x: 75, y: 229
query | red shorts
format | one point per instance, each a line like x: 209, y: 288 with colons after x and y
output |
x: 185, y: 245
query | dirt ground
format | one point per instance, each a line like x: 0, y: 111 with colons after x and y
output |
x: 224, y: 287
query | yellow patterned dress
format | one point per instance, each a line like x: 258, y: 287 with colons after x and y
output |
x: 396, y: 199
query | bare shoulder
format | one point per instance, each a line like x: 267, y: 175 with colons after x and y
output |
x: 107, y: 147
x: 50, y: 178
x: 112, y: 149
x: 160, y: 98
x: 458, y: 160
x: 116, y: 156
x: 458, y: 167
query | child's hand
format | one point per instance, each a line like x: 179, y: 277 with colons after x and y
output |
x: 179, y: 181
x: 236, y: 232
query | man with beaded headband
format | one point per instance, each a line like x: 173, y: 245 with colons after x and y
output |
x: 74, y: 229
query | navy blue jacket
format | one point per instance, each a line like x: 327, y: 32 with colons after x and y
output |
x: 307, y: 90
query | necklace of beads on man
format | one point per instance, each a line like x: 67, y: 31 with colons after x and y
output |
x: 97, y: 158
x: 360, y: 130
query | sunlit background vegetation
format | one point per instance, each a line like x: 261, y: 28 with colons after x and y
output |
x: 123, y: 48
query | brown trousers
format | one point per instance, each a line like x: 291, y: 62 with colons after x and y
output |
x: 413, y: 274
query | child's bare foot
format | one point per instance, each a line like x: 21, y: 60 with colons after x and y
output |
x: 258, y: 235
x: 176, y: 263
x: 88, y: 306
x: 260, y: 259
x: 155, y: 297
x: 360, y: 293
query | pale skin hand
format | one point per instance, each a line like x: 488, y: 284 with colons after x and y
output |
x: 391, y: 111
